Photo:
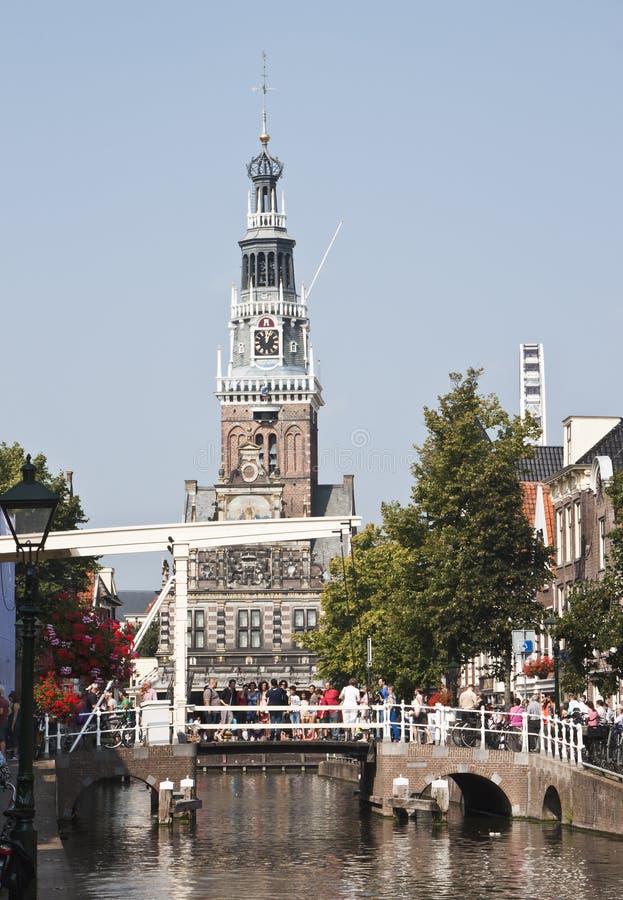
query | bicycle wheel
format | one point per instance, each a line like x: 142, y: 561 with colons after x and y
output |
x: 456, y: 734
x: 112, y: 739
x: 128, y: 737
x: 470, y: 735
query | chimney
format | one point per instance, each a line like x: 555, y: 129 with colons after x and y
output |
x: 69, y: 481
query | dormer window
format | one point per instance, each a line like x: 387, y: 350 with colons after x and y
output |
x: 240, y: 347
x: 293, y: 346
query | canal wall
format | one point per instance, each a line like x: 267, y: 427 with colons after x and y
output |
x: 521, y: 785
x: 76, y: 771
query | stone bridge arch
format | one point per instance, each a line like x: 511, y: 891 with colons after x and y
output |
x: 151, y: 765
x: 480, y: 795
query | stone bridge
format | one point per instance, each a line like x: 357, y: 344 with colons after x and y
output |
x: 524, y: 785
x: 151, y: 765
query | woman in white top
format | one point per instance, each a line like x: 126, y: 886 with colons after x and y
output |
x: 349, y: 699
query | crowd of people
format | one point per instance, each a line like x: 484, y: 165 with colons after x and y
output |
x: 308, y: 713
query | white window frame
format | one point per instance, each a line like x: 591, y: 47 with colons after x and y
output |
x: 577, y: 529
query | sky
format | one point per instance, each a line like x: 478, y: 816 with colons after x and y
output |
x: 472, y: 151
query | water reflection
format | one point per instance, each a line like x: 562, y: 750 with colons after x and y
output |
x: 269, y: 835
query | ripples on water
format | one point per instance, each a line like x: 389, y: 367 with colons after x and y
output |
x: 263, y: 836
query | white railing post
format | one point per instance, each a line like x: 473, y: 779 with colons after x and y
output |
x: 563, y: 744
x: 402, y: 721
x: 483, y: 736
x: 387, y: 735
x: 541, y: 735
x: 46, y: 736
x: 579, y: 744
x: 98, y: 732
x: 524, y: 732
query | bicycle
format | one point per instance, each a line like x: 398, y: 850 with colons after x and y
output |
x: 466, y: 732
x: 121, y: 733
x: 16, y: 866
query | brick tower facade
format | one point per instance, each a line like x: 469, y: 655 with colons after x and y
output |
x: 249, y: 605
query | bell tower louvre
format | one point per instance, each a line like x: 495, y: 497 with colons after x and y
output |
x: 247, y: 606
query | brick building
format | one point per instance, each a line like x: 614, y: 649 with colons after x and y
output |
x: 249, y: 605
x: 583, y: 514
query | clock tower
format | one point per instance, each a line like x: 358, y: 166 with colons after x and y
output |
x: 249, y: 605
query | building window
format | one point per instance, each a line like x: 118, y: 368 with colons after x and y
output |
x: 249, y: 630
x: 272, y: 452
x: 240, y: 347
x: 304, y: 620
x: 560, y: 599
x: 578, y: 529
x: 569, y: 533
x: 195, y: 630
x: 560, y: 533
x: 293, y: 346
x: 602, y: 543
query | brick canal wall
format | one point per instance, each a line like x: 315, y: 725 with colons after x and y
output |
x: 524, y: 785
x: 76, y: 771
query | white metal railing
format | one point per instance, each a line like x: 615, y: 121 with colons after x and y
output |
x: 440, y: 725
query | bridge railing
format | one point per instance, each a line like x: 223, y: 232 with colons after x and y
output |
x: 438, y: 725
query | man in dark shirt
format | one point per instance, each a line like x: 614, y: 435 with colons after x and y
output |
x: 275, y: 696
x: 229, y: 696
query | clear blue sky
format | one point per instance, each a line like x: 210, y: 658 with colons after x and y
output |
x: 472, y: 149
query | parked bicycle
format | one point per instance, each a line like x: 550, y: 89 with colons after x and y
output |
x: 121, y: 732
x: 16, y: 866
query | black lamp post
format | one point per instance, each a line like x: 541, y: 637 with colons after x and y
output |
x: 28, y: 508
x: 453, y: 676
x: 550, y: 623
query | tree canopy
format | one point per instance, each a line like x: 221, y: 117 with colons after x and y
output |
x: 59, y: 575
x: 453, y: 572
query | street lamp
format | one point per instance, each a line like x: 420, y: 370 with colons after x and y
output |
x: 550, y: 623
x: 453, y: 675
x: 28, y: 508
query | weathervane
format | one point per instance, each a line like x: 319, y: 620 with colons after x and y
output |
x: 264, y: 87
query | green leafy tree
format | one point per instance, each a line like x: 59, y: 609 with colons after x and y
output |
x: 149, y: 644
x: 58, y: 575
x: 451, y: 574
x: 592, y: 625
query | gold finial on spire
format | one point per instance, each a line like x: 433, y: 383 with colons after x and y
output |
x: 264, y: 88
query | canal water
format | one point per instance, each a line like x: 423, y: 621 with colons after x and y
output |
x: 272, y: 835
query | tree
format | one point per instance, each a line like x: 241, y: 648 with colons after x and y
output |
x: 449, y: 575
x: 149, y: 644
x: 592, y: 625
x: 58, y: 575
x: 484, y: 563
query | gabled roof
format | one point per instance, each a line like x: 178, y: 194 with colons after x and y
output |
x: 545, y: 463
x: 610, y: 445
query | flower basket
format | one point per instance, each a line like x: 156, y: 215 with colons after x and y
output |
x: 539, y: 668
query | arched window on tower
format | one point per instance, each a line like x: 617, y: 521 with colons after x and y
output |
x: 294, y: 446
x: 252, y: 270
x: 259, y: 440
x: 271, y: 269
x: 234, y: 440
x: 287, y: 273
x: 272, y: 452
x: 279, y: 268
x: 265, y: 200
x: 245, y: 272
x: 261, y: 270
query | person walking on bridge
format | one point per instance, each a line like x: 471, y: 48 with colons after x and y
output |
x: 275, y: 697
x: 349, y: 698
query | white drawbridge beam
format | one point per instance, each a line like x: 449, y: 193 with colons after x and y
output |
x: 184, y: 537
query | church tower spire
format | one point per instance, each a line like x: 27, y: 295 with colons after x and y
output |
x: 271, y: 387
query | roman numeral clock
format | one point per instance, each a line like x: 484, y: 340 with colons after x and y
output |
x: 266, y: 339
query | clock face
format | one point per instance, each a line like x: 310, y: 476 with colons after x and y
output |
x: 266, y: 342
